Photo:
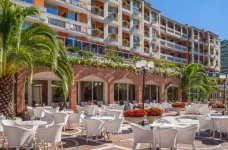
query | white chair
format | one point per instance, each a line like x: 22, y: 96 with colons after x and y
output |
x: 56, y: 109
x: 30, y: 111
x: 190, y: 109
x: 104, y: 107
x: 205, y: 123
x: 94, y: 127
x: 147, y: 101
x: 84, y: 104
x: 165, y: 138
x: 117, y: 114
x: 113, y: 106
x: 83, y: 125
x: 80, y: 109
x: 142, y: 135
x: 18, y: 136
x: 48, y: 114
x: 134, y: 102
x: 38, y: 113
x: 61, y: 118
x: 114, y: 126
x: 220, y: 125
x: 131, y: 106
x: 74, y: 118
x: 6, y: 123
x: 90, y: 110
x: 120, y: 107
x: 50, y: 122
x: 100, y: 103
x: 162, y: 121
x: 126, y: 102
x: 51, y: 134
x: 186, y: 135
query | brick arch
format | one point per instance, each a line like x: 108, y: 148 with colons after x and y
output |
x: 173, y: 80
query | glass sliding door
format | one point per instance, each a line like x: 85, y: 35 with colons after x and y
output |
x: 124, y: 91
x: 151, y: 92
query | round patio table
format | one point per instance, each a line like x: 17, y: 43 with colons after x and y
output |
x: 31, y: 123
x: 104, y: 118
x: 163, y: 125
x: 68, y: 111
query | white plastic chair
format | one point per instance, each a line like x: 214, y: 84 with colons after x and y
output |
x: 56, y: 109
x: 38, y: 113
x: 114, y: 126
x: 165, y: 138
x: 114, y: 106
x: 6, y: 123
x: 94, y: 127
x: 190, y: 109
x: 142, y: 135
x: 220, y: 125
x: 162, y: 121
x: 50, y: 122
x: 74, y: 118
x: 100, y: 103
x: 117, y: 114
x: 90, y: 110
x: 84, y: 104
x: 120, y: 107
x: 205, y: 123
x: 80, y: 109
x: 48, y: 114
x: 186, y: 135
x: 18, y: 136
x: 30, y: 111
x: 51, y: 134
x: 83, y: 125
x: 61, y: 118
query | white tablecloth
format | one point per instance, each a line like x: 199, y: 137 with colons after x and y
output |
x: 31, y: 123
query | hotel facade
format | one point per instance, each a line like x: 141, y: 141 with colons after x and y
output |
x: 128, y: 27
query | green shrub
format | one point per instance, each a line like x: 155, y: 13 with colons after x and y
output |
x: 73, y: 49
x: 117, y: 59
x: 85, y: 54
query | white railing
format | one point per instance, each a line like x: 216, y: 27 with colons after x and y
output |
x: 173, y: 45
x: 79, y: 3
x: 170, y: 30
x: 162, y: 27
x: 112, y: 16
x: 94, y: 11
x: 184, y: 35
x: 173, y: 59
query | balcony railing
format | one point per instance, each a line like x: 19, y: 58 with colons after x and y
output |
x: 184, y: 35
x: 56, y: 22
x: 97, y: 34
x: 147, y: 18
x: 212, y: 41
x: 170, y: 30
x: 112, y: 16
x: 173, y: 45
x: 126, y: 25
x: 112, y: 37
x: 79, y: 3
x: 136, y: 27
x: 97, y: 11
x: 173, y: 59
x: 126, y: 43
x: 136, y: 10
x: 163, y: 28
x: 177, y: 32
x: 126, y: 5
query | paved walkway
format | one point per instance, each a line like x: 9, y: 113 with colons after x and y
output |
x: 73, y: 141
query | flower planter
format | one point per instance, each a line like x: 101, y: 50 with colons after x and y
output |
x: 153, y: 118
x: 219, y: 109
x: 135, y: 120
x: 178, y: 109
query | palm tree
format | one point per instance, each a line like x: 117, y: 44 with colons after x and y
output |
x: 194, y: 77
x: 35, y: 46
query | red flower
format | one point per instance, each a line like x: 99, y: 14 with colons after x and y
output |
x: 154, y: 112
x: 178, y: 104
x: 135, y: 113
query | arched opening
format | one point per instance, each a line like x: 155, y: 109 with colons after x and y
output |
x: 171, y: 92
x: 151, y: 91
x: 124, y: 90
x: 45, y: 90
x: 92, y: 88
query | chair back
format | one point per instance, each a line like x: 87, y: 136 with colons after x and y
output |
x: 50, y: 122
x: 90, y: 110
x: 100, y: 103
x: 80, y: 109
x: 142, y: 134
x: 221, y: 125
x: 56, y: 109
x: 38, y: 112
x: 48, y: 114
x: 18, y: 136
x: 83, y: 104
x: 61, y: 118
x: 114, y: 126
x: 186, y: 135
x: 74, y: 118
x: 30, y: 110
x: 117, y: 114
x: 94, y: 126
x: 205, y: 123
x: 120, y: 107
x: 163, y: 140
x: 162, y: 121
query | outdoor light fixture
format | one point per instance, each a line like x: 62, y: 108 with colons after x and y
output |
x: 143, y: 65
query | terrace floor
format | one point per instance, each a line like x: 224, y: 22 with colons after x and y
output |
x: 73, y: 141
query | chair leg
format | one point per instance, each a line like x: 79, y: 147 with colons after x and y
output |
x: 3, y: 142
x: 199, y: 133
x: 193, y: 147
x: 118, y: 136
x: 134, y: 146
x: 61, y: 145
x: 55, y: 147
x: 220, y: 136
x: 96, y: 138
x: 82, y: 132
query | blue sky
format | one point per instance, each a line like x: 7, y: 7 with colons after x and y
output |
x: 210, y: 15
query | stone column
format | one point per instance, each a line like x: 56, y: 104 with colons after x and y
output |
x: 73, y: 97
x: 110, y: 93
x: 139, y: 93
x: 162, y: 93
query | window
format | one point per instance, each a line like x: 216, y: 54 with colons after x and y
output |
x: 71, y: 16
x: 151, y: 92
x: 136, y: 24
x: 172, y: 94
x: 51, y: 9
x: 91, y: 91
x: 124, y: 91
x: 112, y: 30
x: 28, y: 1
x: 136, y: 41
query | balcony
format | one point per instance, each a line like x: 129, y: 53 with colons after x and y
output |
x: 162, y: 27
x: 212, y: 41
x: 184, y: 35
x: 173, y: 59
x: 97, y: 11
x: 56, y: 22
x: 126, y: 43
x: 126, y: 6
x: 97, y: 33
x: 126, y: 24
x: 136, y: 29
x: 137, y: 11
x: 113, y: 37
x: 146, y: 33
x: 170, y: 29
x: 112, y: 16
x: 177, y: 32
x: 146, y: 17
x: 172, y: 45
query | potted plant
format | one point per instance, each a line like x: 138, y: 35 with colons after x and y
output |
x: 135, y: 116
x: 154, y: 114
x: 125, y: 42
x: 125, y: 4
x: 126, y: 24
x: 146, y: 15
x: 97, y: 9
x: 219, y: 107
x: 146, y: 33
x: 155, y: 51
x: 178, y: 106
x: 146, y: 49
x: 98, y: 31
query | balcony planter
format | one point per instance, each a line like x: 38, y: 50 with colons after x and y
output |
x: 125, y: 4
x: 146, y: 49
x: 126, y: 24
x: 98, y: 32
x: 98, y: 10
x: 155, y: 51
x: 125, y: 42
x: 146, y: 32
x: 146, y: 15
x: 135, y: 116
x: 219, y: 107
x: 178, y: 106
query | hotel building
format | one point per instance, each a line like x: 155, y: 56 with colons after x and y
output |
x: 130, y: 27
